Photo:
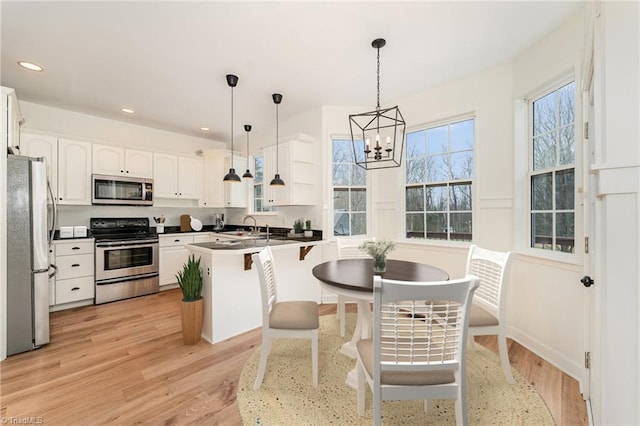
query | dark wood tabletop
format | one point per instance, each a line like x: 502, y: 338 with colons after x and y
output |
x: 357, y: 274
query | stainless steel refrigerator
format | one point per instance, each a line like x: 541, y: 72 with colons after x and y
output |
x: 27, y: 254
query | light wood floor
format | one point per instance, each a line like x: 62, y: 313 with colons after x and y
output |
x: 124, y: 363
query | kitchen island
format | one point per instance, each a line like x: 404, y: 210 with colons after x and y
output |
x: 231, y: 289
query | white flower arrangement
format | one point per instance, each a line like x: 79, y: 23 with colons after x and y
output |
x: 378, y: 250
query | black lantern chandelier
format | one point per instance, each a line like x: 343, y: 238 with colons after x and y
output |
x: 247, y: 174
x: 276, y: 181
x: 232, y: 81
x: 377, y: 136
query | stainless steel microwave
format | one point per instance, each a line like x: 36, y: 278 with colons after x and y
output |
x: 121, y: 190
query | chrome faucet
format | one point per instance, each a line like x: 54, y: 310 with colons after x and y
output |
x: 255, y: 225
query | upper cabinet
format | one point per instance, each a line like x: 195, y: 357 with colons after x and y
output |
x: 11, y: 119
x: 68, y: 165
x: 177, y: 177
x: 110, y: 160
x: 216, y: 192
x: 293, y: 160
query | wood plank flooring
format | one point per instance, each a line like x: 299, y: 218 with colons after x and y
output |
x: 124, y: 363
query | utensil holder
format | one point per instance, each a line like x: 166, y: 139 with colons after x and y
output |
x: 160, y: 228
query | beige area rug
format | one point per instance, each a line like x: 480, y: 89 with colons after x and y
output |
x: 287, y: 396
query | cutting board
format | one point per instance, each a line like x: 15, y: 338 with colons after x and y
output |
x: 185, y: 223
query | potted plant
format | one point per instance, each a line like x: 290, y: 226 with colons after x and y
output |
x: 190, y: 281
x: 308, y: 233
x: 297, y: 226
x: 378, y: 250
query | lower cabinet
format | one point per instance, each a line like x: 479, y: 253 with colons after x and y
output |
x: 173, y: 256
x: 75, y: 279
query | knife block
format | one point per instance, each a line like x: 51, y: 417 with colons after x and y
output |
x: 185, y: 223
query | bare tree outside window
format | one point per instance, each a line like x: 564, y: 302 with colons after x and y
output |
x: 349, y: 190
x: 258, y: 186
x: 439, y: 173
x: 552, y: 174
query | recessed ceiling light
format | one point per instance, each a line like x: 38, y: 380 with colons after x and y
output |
x: 127, y: 110
x: 30, y: 66
x: 205, y: 129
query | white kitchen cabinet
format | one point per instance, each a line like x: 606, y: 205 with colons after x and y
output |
x: 173, y: 256
x: 11, y: 119
x: 74, y: 172
x: 294, y: 161
x: 75, y: 280
x: 217, y: 193
x: 68, y: 165
x: 111, y: 160
x: 37, y: 145
x: 177, y: 177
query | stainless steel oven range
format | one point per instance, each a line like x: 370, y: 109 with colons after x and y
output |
x: 126, y: 262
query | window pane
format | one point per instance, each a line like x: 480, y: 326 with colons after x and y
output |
x: 544, y: 151
x: 358, y: 175
x: 564, y: 190
x: 460, y: 227
x: 340, y: 223
x: 438, y: 168
x: 415, y: 199
x: 415, y: 225
x: 342, y: 151
x: 461, y: 135
x: 341, y: 199
x: 437, y: 226
x: 416, y: 145
x: 541, y: 192
x: 566, y: 102
x: 462, y: 165
x: 460, y: 197
x: 437, y: 140
x: 358, y: 224
x: 541, y: 230
x: 565, y: 232
x: 437, y: 197
x: 544, y: 114
x: 358, y: 200
x: 567, y: 150
x: 258, y: 205
x: 416, y: 170
x: 257, y: 191
x: 259, y: 170
x: 341, y: 173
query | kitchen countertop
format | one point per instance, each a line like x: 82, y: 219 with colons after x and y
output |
x: 252, y: 245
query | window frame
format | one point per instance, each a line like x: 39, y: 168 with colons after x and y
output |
x: 251, y: 201
x: 472, y: 181
x: 332, y: 187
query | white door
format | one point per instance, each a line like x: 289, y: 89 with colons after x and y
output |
x: 34, y: 145
x: 165, y: 176
x: 108, y: 160
x: 190, y: 178
x: 74, y: 172
x: 138, y: 163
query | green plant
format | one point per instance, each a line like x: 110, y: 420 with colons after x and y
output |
x: 378, y: 250
x: 308, y: 225
x: 190, y: 280
x: 297, y: 226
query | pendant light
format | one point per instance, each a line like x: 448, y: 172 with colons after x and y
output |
x: 276, y: 181
x: 232, y: 81
x: 377, y: 136
x: 247, y: 174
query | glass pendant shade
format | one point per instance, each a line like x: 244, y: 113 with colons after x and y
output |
x: 247, y: 174
x: 277, y: 181
x: 232, y: 81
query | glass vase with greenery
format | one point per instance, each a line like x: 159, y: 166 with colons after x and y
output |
x: 378, y: 250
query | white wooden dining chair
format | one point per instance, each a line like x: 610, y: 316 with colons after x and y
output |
x: 291, y: 319
x: 348, y: 248
x: 488, y: 311
x: 413, y: 354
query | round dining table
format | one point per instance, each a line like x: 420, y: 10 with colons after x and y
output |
x: 353, y: 278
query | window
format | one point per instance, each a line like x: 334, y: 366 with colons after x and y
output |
x: 439, y: 173
x: 349, y: 191
x: 552, y: 170
x: 258, y: 187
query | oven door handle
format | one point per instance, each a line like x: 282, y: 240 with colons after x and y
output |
x: 127, y: 278
x: 128, y: 243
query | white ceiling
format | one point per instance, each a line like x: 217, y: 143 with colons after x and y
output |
x: 168, y: 60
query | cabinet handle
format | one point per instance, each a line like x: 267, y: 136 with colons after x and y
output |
x: 75, y: 288
x: 75, y: 265
x: 127, y: 171
x: 121, y: 171
x: 75, y: 248
x: 176, y: 241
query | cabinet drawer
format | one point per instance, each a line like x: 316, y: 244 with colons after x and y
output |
x: 74, y: 266
x: 201, y: 238
x: 176, y: 240
x: 74, y: 289
x: 83, y: 247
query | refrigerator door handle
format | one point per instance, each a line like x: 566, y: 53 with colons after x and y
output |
x: 55, y: 270
x: 54, y: 214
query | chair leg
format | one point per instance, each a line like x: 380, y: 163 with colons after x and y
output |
x: 264, y: 354
x: 341, y: 315
x: 360, y: 381
x: 461, y: 403
x: 377, y: 407
x: 427, y: 406
x: 504, y: 358
x: 314, y: 358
